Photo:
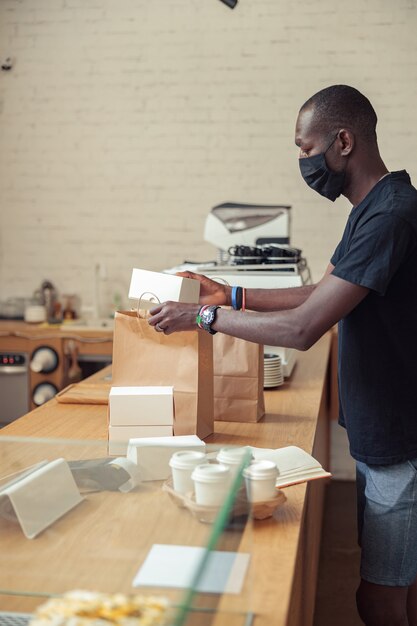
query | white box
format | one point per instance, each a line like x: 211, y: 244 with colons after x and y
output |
x: 149, y: 287
x: 152, y: 455
x: 141, y: 406
x: 119, y: 436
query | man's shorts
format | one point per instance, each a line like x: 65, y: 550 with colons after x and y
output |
x: 387, y: 522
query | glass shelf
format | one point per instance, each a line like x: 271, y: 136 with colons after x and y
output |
x: 101, y: 542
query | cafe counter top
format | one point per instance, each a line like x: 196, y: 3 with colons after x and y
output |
x: 285, y: 548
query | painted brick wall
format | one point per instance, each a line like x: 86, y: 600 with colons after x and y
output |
x: 122, y: 124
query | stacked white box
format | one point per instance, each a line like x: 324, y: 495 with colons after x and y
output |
x: 152, y: 455
x: 149, y: 287
x: 141, y: 406
x: 139, y: 412
x: 119, y: 436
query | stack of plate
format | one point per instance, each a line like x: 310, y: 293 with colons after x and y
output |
x: 273, y: 374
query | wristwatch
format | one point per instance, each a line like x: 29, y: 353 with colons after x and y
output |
x: 206, y: 318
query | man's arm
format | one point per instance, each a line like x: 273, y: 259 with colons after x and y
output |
x: 332, y: 299
x: 212, y: 292
x: 300, y: 327
x: 280, y: 299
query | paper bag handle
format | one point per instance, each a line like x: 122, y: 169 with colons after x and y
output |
x: 145, y: 293
x: 219, y: 279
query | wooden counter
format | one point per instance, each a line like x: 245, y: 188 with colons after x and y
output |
x: 285, y: 549
x: 20, y: 328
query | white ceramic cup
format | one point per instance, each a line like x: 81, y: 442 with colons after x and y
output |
x: 233, y: 458
x: 211, y: 483
x: 34, y: 314
x: 182, y: 464
x: 260, y: 479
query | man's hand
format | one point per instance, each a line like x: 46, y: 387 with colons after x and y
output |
x: 211, y: 292
x: 170, y: 317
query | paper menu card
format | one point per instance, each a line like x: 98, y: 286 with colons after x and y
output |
x: 294, y: 464
x: 176, y: 566
x: 40, y: 495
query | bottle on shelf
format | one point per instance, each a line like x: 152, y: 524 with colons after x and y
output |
x: 69, y: 311
x: 49, y: 295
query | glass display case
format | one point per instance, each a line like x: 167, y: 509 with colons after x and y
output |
x: 74, y: 518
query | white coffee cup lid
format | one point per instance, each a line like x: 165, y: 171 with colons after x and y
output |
x: 210, y: 472
x: 233, y: 456
x: 186, y: 459
x: 261, y: 469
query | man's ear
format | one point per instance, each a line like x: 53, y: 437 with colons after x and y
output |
x: 347, y: 141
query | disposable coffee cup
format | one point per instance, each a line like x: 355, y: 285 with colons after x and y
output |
x: 211, y: 483
x: 260, y: 478
x: 233, y: 458
x: 182, y: 464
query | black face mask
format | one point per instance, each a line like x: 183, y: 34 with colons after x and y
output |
x: 319, y: 177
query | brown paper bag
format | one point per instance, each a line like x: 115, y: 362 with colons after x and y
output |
x: 142, y: 356
x: 238, y: 380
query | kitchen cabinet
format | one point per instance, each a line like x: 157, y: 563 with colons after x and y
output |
x: 93, y: 346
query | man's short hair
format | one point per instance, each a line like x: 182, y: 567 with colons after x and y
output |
x: 341, y: 106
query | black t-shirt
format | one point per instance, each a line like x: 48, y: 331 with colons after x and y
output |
x: 378, y: 339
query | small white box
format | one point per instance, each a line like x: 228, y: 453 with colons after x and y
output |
x: 149, y: 287
x: 152, y: 455
x: 141, y: 406
x: 119, y: 436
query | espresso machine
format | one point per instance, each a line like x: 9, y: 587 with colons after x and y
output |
x: 253, y: 251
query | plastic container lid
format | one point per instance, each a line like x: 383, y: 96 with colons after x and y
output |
x: 259, y: 470
x: 210, y: 473
x: 233, y: 456
x: 186, y: 459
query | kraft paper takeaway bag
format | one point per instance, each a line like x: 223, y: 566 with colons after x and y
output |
x: 142, y: 356
x: 238, y: 379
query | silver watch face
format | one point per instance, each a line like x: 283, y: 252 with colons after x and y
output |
x: 208, y: 316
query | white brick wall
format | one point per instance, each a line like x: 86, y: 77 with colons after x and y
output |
x: 123, y: 123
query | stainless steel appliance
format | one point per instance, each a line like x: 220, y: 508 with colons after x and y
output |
x: 253, y: 251
x: 253, y: 247
x: 14, y: 385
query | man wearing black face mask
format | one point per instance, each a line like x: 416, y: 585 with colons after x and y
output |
x: 319, y: 177
x: 370, y: 288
